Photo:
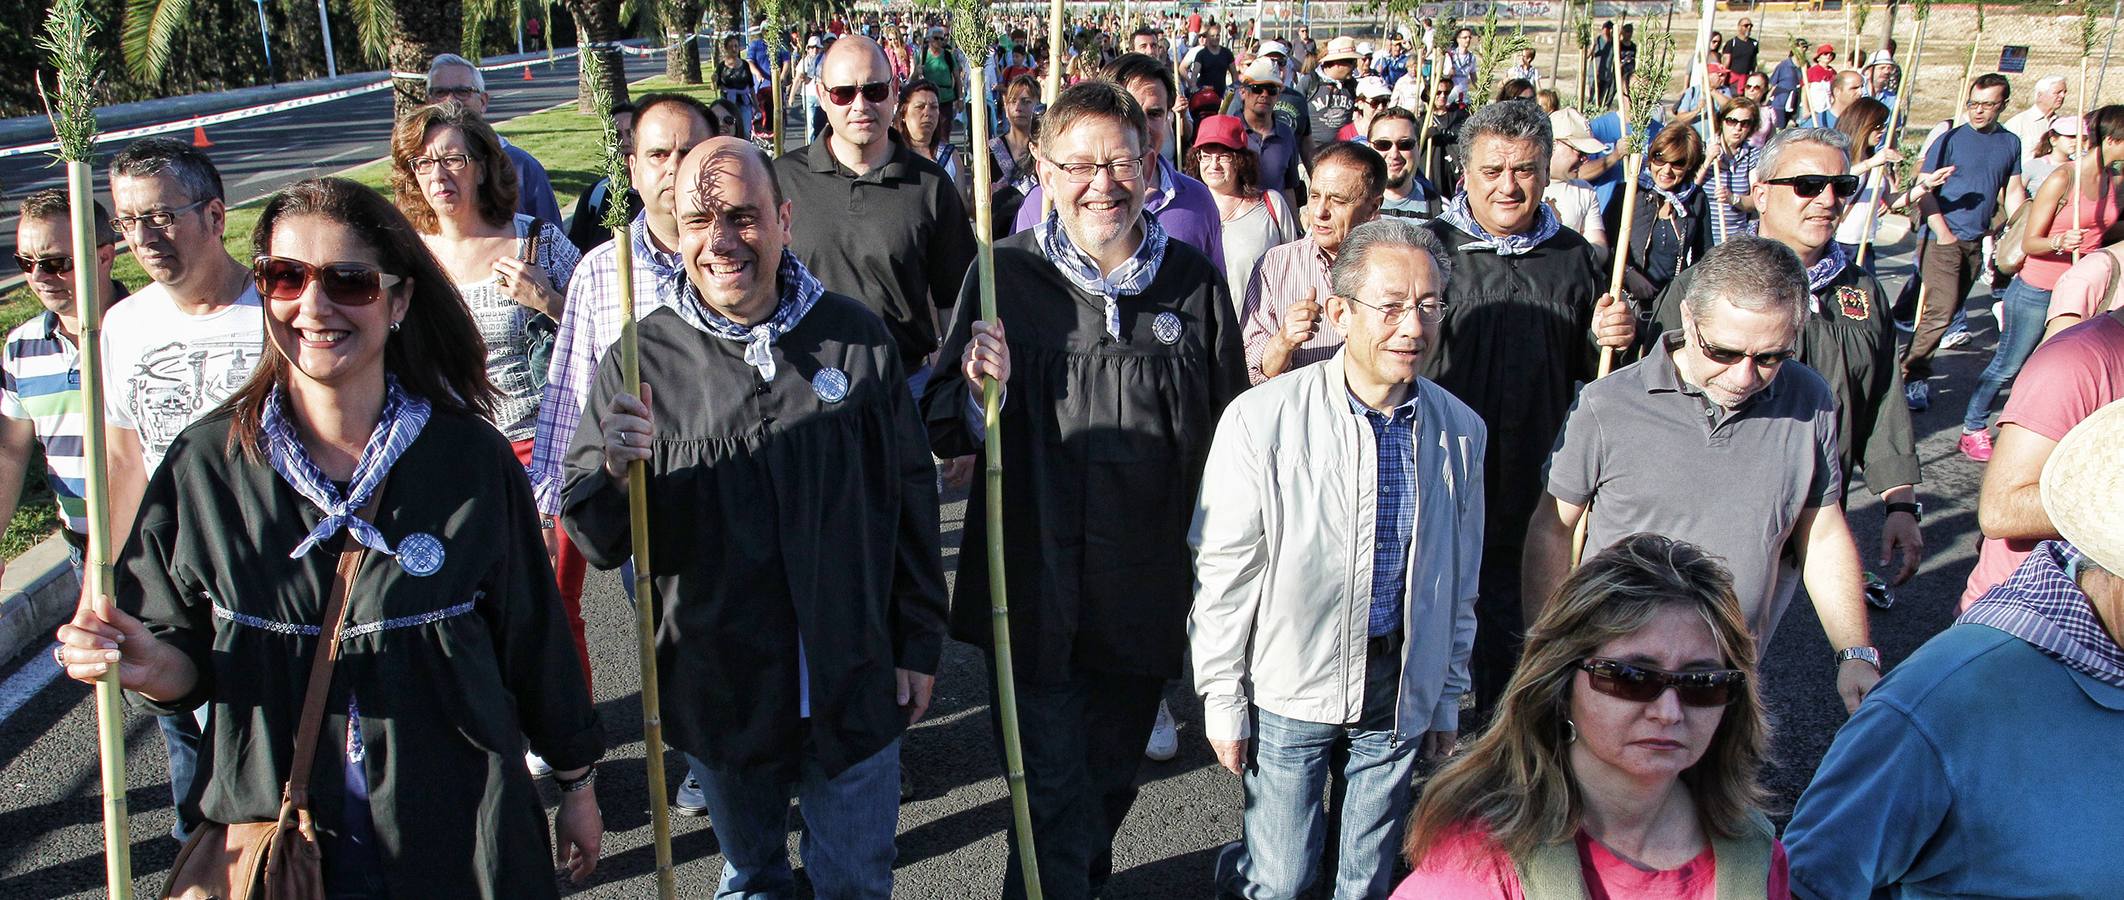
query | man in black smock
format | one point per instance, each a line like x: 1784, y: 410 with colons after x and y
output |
x: 1524, y: 317
x: 1122, y: 349
x: 793, y: 514
x: 1847, y: 336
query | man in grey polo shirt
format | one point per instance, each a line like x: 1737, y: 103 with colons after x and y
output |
x: 1718, y: 438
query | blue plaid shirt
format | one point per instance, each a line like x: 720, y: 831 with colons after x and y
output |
x: 1396, y: 522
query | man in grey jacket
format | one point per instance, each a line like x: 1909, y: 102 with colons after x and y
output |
x: 1335, y: 601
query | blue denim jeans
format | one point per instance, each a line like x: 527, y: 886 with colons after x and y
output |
x: 1294, y: 762
x: 849, y: 823
x: 181, y: 737
x: 2026, y: 309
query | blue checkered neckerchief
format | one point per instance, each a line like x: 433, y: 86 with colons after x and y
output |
x: 2042, y: 604
x: 799, y: 291
x: 1827, y: 268
x: 1677, y: 200
x: 1459, y: 216
x: 1133, y: 277
x: 404, y: 415
x: 668, y: 267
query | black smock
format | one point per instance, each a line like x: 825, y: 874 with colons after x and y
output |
x: 776, y: 514
x: 1850, y: 339
x: 1683, y: 240
x: 1104, y: 441
x: 448, y: 694
x: 1515, y: 344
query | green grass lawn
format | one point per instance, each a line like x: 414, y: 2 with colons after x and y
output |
x: 562, y: 139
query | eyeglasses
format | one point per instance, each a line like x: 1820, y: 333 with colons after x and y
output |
x: 1640, y: 684
x: 1383, y: 145
x: 1726, y: 356
x: 1744, y: 122
x: 1427, y: 311
x: 52, y: 265
x: 1985, y: 104
x: 1084, y: 172
x: 158, y: 219
x: 1264, y: 88
x: 444, y: 93
x: 344, y: 283
x: 873, y: 92
x: 450, y: 162
x: 1810, y: 186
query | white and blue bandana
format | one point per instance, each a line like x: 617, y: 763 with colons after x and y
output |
x: 799, y: 292
x: 1133, y: 277
x: 404, y: 415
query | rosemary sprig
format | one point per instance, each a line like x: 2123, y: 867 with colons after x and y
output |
x: 614, y: 159
x: 67, y: 29
x: 1655, y: 64
x: 1492, y: 49
x: 2090, y: 22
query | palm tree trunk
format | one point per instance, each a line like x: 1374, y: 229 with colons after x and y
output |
x: 597, y: 22
x: 682, y: 63
x: 423, y: 29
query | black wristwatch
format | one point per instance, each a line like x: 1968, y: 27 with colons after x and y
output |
x: 1914, y: 508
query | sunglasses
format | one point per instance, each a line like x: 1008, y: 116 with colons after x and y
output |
x: 1744, y: 122
x: 1811, y: 186
x: 52, y: 265
x: 343, y: 283
x: 873, y: 92
x: 1383, y: 145
x: 1638, y: 684
x: 1726, y: 356
x: 1264, y: 88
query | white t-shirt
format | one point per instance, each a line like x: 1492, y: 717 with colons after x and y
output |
x: 163, y: 368
x: 1578, y: 208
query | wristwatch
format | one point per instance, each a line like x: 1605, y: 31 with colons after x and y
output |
x: 1914, y: 508
x: 1868, y: 655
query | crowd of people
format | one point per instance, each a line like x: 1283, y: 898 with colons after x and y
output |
x: 1305, y: 350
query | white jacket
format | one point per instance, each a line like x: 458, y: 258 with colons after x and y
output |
x: 1283, y: 542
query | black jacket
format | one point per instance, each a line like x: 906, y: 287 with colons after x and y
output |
x: 1695, y: 234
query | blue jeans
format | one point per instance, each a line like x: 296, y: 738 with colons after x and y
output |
x: 181, y: 737
x: 849, y: 822
x: 2026, y: 309
x: 1286, y: 827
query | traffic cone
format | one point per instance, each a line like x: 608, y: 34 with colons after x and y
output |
x: 527, y: 71
x: 199, y: 138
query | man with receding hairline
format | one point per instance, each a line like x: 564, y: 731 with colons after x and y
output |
x: 795, y: 525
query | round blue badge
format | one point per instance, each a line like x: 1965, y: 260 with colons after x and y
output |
x: 830, y: 384
x: 420, y: 554
x: 1166, y: 328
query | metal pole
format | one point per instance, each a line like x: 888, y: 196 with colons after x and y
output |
x: 324, y: 23
x: 2114, y: 13
x: 265, y: 39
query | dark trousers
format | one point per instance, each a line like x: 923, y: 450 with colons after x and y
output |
x: 1948, y: 271
x: 1083, y: 740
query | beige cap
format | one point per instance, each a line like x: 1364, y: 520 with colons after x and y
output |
x: 2083, y: 487
x: 1262, y: 71
x: 1568, y: 127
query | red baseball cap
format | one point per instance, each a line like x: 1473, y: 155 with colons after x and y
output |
x: 1223, y: 131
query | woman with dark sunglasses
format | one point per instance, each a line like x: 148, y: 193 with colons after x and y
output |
x: 1623, y: 760
x: 363, y: 432
x: 1672, y: 220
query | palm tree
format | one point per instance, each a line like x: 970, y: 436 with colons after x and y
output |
x: 404, y: 33
x: 682, y: 64
x: 597, y: 23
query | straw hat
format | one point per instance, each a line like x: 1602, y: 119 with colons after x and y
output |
x: 1342, y: 49
x: 2083, y: 487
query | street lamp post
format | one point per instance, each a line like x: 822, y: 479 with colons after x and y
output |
x: 324, y: 22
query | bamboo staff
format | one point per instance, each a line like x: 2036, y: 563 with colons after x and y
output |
x: 2088, y: 11
x: 1878, y: 183
x: 1707, y: 114
x: 616, y: 218
x: 67, y: 32
x: 1563, y: 17
x: 778, y: 112
x: 972, y: 32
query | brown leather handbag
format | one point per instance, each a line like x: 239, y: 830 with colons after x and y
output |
x: 277, y: 860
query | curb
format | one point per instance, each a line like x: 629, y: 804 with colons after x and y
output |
x: 37, y: 594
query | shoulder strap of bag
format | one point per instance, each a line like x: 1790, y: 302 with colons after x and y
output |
x: 1552, y: 872
x: 297, y: 790
x: 2116, y: 269
x: 1744, y: 862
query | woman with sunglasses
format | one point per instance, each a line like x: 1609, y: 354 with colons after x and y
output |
x: 1672, y: 222
x: 363, y: 432
x: 1253, y: 219
x: 2056, y: 232
x: 1623, y: 760
x: 925, y: 124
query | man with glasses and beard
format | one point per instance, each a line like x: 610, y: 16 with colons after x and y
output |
x: 1119, y: 350
x: 1846, y: 337
x: 1408, y: 194
x: 881, y: 223
x: 1655, y: 446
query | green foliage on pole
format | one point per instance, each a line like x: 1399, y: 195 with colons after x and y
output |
x: 67, y: 30
x: 614, y: 157
x: 1655, y: 69
x: 1493, y: 48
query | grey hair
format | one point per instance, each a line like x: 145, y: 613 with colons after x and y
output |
x: 445, y: 60
x: 2049, y: 81
x: 1348, y: 272
x: 153, y: 156
x: 1752, y: 273
x: 1512, y: 120
x: 1774, y: 152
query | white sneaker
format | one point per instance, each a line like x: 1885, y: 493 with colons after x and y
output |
x: 1164, y: 737
x: 538, y: 767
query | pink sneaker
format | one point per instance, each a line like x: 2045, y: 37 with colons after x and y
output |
x: 1976, y: 445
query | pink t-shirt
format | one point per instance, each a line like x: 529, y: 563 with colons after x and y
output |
x: 2069, y: 377
x: 2084, y: 289
x: 1466, y: 866
x: 2042, y: 270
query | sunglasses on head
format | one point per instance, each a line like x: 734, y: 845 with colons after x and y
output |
x: 343, y: 283
x: 1383, y: 145
x: 1639, y: 684
x: 1811, y: 185
x: 52, y: 265
x: 873, y: 92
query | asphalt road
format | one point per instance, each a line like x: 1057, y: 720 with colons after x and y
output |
x: 951, y: 837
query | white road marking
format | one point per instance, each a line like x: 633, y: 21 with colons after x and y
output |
x: 27, y: 681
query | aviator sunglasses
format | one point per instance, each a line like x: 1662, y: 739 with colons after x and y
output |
x: 1640, y: 684
x: 343, y: 283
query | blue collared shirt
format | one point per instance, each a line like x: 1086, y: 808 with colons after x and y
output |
x: 1395, y: 524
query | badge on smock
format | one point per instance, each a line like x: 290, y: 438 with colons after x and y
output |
x: 1166, y: 328
x: 420, y: 554
x: 830, y: 384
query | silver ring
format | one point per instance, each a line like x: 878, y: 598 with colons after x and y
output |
x: 57, y: 655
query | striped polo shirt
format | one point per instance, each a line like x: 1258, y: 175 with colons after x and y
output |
x: 40, y: 380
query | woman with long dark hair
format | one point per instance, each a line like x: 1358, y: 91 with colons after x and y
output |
x: 362, y: 432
